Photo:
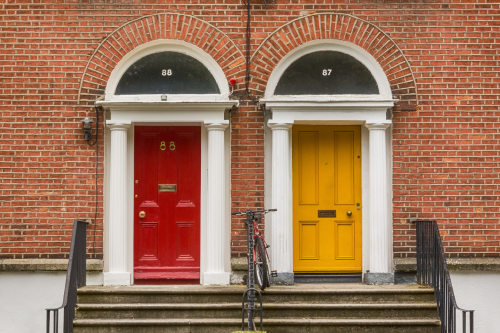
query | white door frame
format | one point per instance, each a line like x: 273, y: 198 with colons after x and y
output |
x: 206, y: 111
x: 370, y: 111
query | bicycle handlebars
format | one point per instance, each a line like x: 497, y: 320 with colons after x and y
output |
x: 265, y: 211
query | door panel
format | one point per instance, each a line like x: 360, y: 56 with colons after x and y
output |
x: 149, y: 250
x: 167, y: 175
x: 309, y: 240
x: 308, y: 168
x: 326, y: 185
x: 344, y: 240
x: 187, y: 186
x: 185, y: 250
x: 344, y: 168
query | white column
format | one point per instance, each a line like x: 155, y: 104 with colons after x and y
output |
x: 380, y: 228
x: 216, y: 210
x: 282, y: 224
x: 118, y: 238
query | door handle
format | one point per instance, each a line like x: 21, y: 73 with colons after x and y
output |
x: 349, y: 213
x: 142, y: 214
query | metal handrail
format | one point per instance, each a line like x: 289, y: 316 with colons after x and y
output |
x: 75, y: 278
x: 432, y: 270
x: 261, y: 309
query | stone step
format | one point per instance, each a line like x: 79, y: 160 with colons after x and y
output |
x: 271, y: 310
x: 272, y: 325
x: 275, y: 294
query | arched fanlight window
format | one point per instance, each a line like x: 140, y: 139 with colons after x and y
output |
x: 167, y: 72
x: 326, y: 73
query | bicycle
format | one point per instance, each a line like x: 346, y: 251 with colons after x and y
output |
x: 260, y: 255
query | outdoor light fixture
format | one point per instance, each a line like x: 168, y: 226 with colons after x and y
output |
x: 232, y: 82
x: 87, y: 127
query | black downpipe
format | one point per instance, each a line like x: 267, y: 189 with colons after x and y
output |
x: 247, y: 75
x: 96, y: 176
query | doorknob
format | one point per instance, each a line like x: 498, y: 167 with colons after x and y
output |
x: 142, y: 214
x: 349, y: 213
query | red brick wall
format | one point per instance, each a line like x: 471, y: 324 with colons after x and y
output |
x: 247, y: 164
x: 56, y: 59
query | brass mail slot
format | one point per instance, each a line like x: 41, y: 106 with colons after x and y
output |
x: 167, y: 187
x: 327, y: 213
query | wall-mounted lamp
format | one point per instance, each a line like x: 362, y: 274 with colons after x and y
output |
x: 87, y: 127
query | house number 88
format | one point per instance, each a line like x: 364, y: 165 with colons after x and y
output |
x: 166, y: 72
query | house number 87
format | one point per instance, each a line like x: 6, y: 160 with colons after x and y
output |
x: 327, y: 72
x: 166, y: 72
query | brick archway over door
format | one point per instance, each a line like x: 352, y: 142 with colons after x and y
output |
x: 168, y: 26
x: 341, y: 27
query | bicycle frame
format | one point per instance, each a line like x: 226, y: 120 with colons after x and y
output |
x: 252, y: 219
x: 256, y: 234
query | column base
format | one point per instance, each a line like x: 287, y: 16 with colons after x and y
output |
x: 210, y: 278
x: 378, y: 278
x: 286, y: 279
x: 117, y: 279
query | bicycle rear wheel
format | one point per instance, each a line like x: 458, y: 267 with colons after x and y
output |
x: 261, y: 266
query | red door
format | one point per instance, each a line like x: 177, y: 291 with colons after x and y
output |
x: 167, y: 204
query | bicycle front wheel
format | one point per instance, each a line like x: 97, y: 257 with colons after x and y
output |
x: 261, y: 266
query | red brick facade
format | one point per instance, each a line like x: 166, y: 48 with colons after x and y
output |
x: 441, y: 60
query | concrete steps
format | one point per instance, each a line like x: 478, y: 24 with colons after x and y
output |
x: 300, y: 308
x: 273, y: 310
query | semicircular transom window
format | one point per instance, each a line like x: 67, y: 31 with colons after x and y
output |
x: 167, y: 72
x: 326, y: 73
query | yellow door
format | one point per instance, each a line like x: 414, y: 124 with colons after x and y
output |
x: 326, y: 199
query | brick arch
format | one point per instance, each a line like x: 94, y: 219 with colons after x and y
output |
x: 338, y: 26
x: 169, y: 26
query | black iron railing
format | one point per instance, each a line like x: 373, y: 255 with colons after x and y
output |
x: 75, y: 278
x: 432, y: 270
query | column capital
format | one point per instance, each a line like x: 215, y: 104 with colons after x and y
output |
x: 279, y: 126
x: 216, y: 126
x: 377, y: 126
x: 118, y: 126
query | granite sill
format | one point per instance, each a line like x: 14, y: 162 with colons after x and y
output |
x: 30, y: 265
x: 454, y: 264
